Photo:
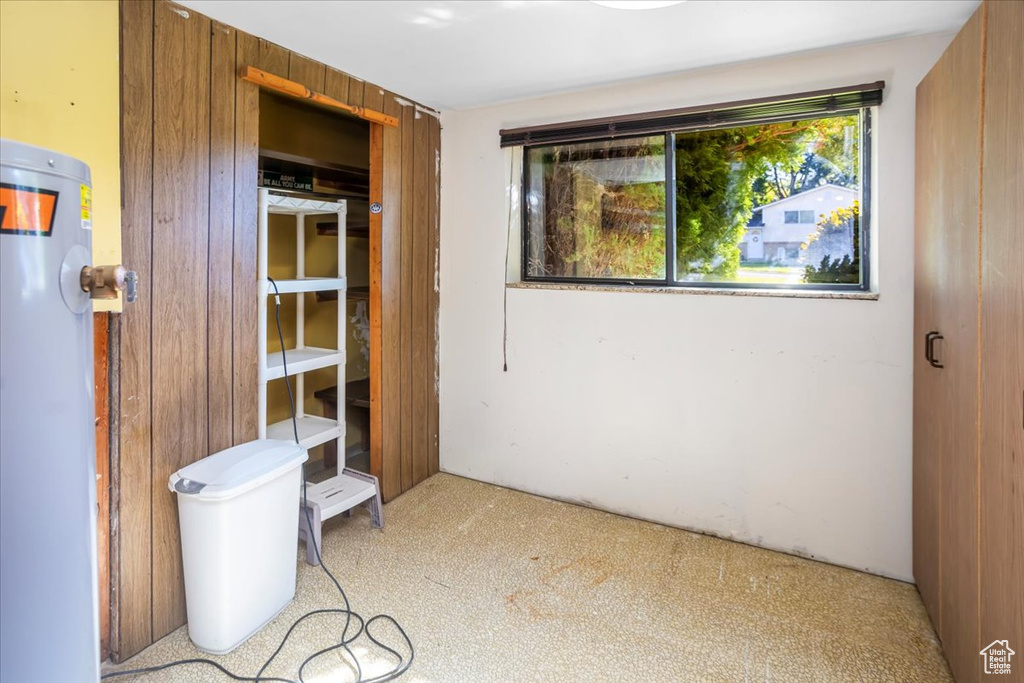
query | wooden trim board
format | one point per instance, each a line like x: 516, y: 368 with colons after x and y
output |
x: 101, y: 376
x: 376, y: 201
x: 298, y: 90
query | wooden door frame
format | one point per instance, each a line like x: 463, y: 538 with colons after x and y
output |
x: 377, y: 120
x: 376, y: 300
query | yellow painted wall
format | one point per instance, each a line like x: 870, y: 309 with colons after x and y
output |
x: 59, y: 89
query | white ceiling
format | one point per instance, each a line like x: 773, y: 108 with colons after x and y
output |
x: 453, y: 55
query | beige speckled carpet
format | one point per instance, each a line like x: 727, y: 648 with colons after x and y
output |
x: 497, y: 585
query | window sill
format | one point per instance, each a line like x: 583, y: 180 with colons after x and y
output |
x: 711, y: 291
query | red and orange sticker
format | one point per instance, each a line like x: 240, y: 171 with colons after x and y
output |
x: 27, y: 210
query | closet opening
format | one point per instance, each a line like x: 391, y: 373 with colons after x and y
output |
x: 311, y: 152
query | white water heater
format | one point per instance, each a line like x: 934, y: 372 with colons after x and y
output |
x: 49, y: 628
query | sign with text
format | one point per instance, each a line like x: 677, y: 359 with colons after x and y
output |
x: 285, y: 181
x: 997, y: 657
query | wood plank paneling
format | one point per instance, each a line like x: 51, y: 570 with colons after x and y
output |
x: 391, y: 301
x: 190, y: 157
x: 245, y: 323
x: 1002, y: 335
x: 221, y: 220
x: 355, y: 91
x: 101, y: 386
x: 956, y: 308
x: 181, y: 186
x: 336, y: 85
x: 433, y: 308
x: 306, y: 71
x: 405, y: 333
x: 421, y: 280
x: 273, y: 58
x: 131, y: 531
x: 373, y: 97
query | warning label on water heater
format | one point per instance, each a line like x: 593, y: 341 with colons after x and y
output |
x: 27, y: 210
x: 86, y: 207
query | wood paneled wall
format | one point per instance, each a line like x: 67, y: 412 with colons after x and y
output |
x: 187, y: 348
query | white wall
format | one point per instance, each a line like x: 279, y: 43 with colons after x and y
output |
x: 782, y: 422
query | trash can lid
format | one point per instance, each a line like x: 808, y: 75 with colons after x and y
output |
x: 238, y: 469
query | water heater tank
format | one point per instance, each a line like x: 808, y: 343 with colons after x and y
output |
x: 48, y: 573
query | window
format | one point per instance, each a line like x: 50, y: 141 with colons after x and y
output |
x: 770, y: 203
x: 597, y: 210
x: 799, y: 216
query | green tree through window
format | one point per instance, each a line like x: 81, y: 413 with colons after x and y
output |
x: 722, y: 175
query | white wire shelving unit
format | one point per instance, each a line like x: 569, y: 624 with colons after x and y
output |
x: 314, y: 430
x: 348, y: 488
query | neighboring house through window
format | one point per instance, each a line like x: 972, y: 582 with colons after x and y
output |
x: 785, y: 227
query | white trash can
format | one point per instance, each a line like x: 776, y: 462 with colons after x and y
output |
x: 239, y: 514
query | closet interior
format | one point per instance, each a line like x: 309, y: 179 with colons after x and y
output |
x: 310, y: 152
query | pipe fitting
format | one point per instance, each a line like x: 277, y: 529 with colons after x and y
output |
x: 103, y: 282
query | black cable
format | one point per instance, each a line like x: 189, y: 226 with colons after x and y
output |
x: 504, y: 291
x: 182, y: 662
x: 364, y: 625
x: 284, y: 366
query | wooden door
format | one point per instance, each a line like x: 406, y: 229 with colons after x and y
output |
x: 956, y: 309
x: 927, y: 425
x: 947, y: 450
x: 1002, y: 335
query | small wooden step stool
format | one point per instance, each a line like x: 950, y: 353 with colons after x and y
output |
x: 340, y: 494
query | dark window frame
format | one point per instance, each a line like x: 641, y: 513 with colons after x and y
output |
x: 669, y: 281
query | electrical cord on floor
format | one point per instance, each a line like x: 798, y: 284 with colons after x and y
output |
x: 346, y: 640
